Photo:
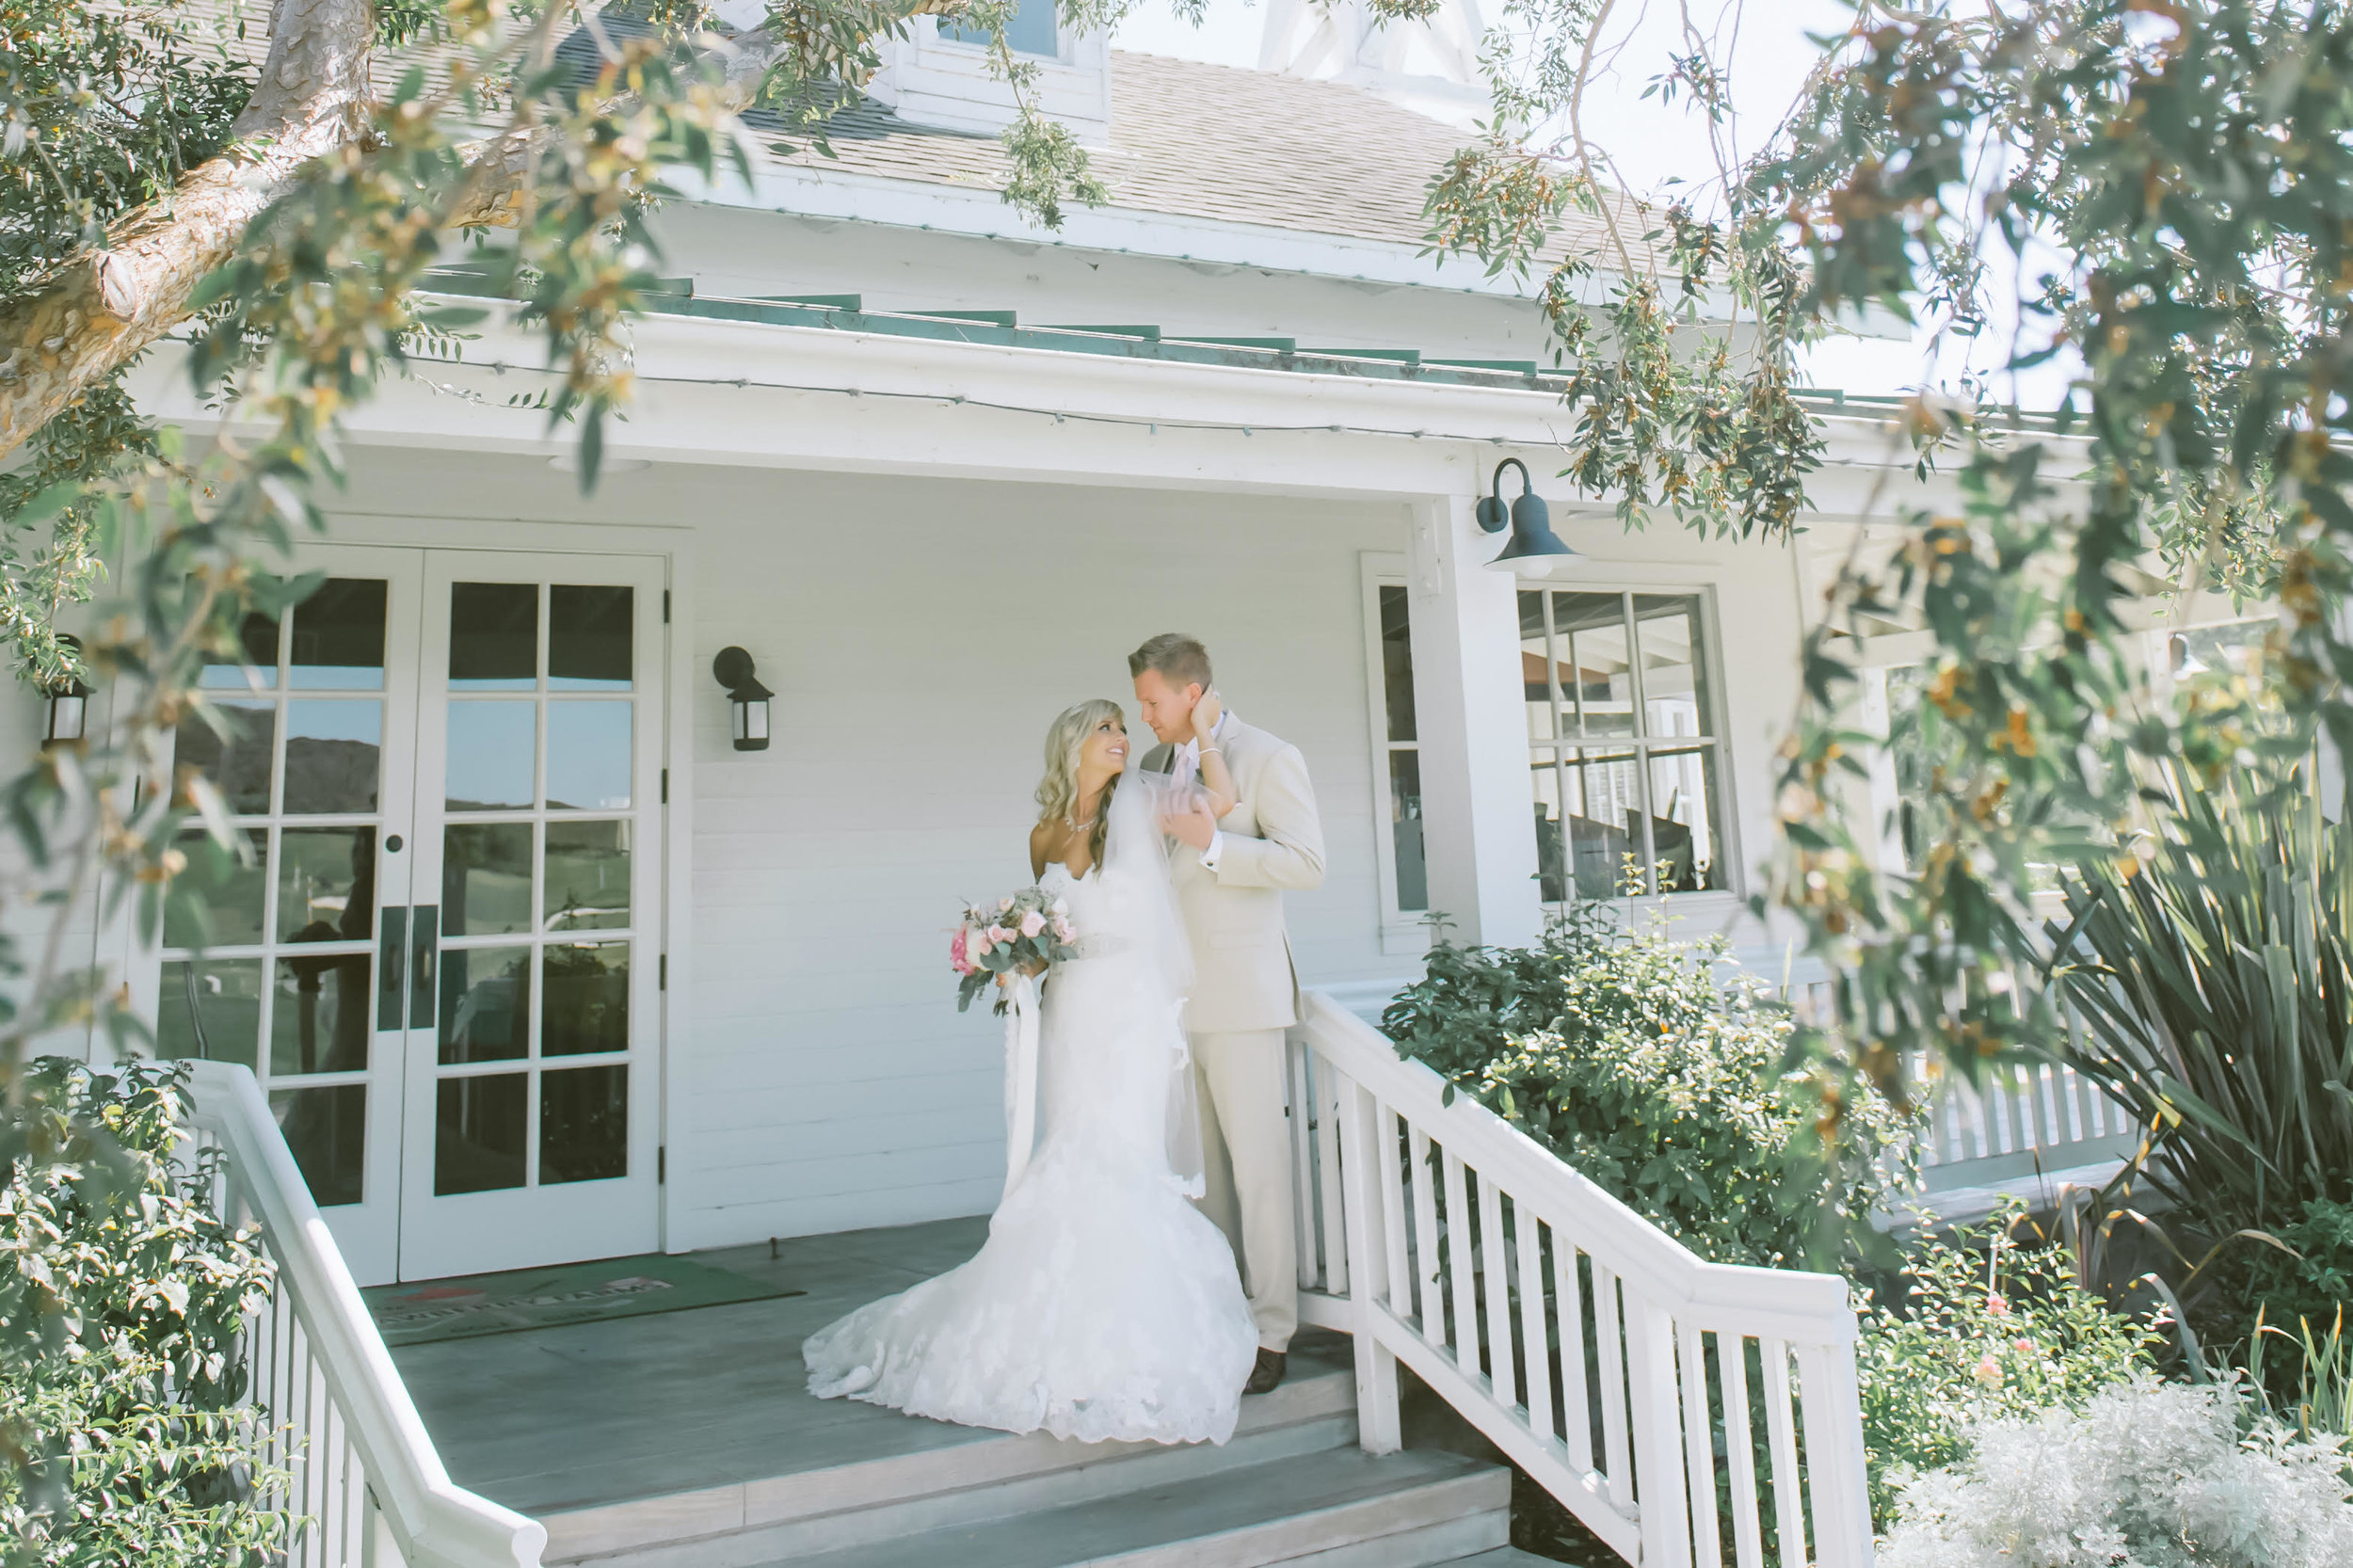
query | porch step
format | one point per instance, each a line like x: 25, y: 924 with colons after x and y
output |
x: 992, y: 1477
x: 1336, y: 1509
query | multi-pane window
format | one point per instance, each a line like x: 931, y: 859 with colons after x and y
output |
x: 1626, y: 761
x: 1403, y: 753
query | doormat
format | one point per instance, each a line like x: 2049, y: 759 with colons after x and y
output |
x: 472, y: 1306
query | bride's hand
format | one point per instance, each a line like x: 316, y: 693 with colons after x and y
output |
x: 1206, y: 713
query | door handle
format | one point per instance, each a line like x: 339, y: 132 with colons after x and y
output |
x: 390, y: 971
x: 425, y: 942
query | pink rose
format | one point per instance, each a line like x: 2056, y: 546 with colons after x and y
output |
x: 998, y: 933
x: 1061, y: 929
x: 980, y: 944
x: 956, y: 958
x: 1031, y: 923
x: 1997, y: 1306
x: 1003, y: 904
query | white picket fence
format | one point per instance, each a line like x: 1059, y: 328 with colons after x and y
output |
x: 1681, y: 1409
x: 366, y: 1487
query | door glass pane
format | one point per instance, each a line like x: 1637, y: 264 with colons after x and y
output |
x: 1552, y: 848
x: 327, y: 1130
x: 478, y: 1133
x: 338, y: 638
x: 326, y: 884
x: 494, y: 637
x: 334, y: 751
x: 491, y: 756
x: 1397, y: 664
x: 1590, y: 632
x: 1413, y: 874
x: 585, y: 998
x: 486, y: 1004
x: 216, y: 901
x: 587, y: 875
x: 589, y: 638
x: 485, y: 879
x: 588, y: 756
x: 239, y: 762
x: 584, y: 1125
x: 257, y: 638
x: 318, y: 1021
x: 1674, y: 677
x: 210, y: 1010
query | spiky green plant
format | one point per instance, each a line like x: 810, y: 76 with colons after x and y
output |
x: 2214, y: 985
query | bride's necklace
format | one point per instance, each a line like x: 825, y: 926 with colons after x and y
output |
x: 1077, y: 826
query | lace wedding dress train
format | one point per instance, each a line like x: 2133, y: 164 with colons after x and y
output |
x: 1104, y: 1306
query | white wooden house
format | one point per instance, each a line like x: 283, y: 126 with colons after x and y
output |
x: 537, y: 964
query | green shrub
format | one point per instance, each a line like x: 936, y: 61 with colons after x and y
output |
x: 121, y: 1298
x: 1632, y: 1057
x: 2316, y: 1283
x: 1988, y: 1330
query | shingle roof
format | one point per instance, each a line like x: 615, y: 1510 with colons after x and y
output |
x: 1211, y: 141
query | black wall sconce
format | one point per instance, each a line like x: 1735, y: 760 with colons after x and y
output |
x: 747, y: 699
x: 68, y: 702
x: 1536, y: 550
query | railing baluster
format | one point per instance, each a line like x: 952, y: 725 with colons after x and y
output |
x: 1428, y: 1312
x: 1781, y: 1441
x: 1387, y: 1154
x: 1568, y: 1299
x: 1699, y: 1445
x: 1610, y: 1342
x: 1303, y: 1167
x: 1536, y: 1360
x: 1747, y: 1535
x: 1496, y: 1264
x: 1838, y: 1484
x: 1461, y: 1267
x: 1324, y: 1081
x: 1364, y: 1159
x: 1662, y: 1486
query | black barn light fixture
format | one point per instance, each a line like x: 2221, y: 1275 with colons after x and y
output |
x: 68, y: 702
x: 1535, y: 550
x: 747, y: 699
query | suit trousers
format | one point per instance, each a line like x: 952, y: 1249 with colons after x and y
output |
x: 1246, y: 1156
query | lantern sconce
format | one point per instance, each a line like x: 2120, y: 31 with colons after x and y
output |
x: 1536, y: 550
x: 747, y: 699
x: 68, y: 702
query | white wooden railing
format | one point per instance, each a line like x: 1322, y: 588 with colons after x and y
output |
x: 366, y: 1485
x: 1690, y: 1414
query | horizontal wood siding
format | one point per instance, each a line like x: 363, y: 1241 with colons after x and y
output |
x: 919, y: 636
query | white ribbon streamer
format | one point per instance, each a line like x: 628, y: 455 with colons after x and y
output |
x: 1020, y: 1079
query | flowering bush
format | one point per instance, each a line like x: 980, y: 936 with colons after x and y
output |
x: 2147, y: 1474
x: 1025, y: 930
x: 1630, y: 1056
x: 123, y: 1407
x: 1990, y: 1329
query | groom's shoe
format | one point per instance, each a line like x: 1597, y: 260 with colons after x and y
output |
x: 1267, y: 1372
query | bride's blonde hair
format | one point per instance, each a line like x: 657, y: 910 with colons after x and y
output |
x: 1058, y: 791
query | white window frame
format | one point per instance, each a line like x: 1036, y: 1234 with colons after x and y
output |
x: 1403, y: 932
x: 1667, y: 582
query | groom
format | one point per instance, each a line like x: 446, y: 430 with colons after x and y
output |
x: 1230, y: 875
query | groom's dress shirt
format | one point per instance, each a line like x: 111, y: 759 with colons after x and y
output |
x: 1184, y: 767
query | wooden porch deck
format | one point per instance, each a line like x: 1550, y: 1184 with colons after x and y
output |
x: 688, y: 1440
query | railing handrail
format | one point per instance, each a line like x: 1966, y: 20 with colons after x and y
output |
x: 1813, y: 1309
x: 438, y: 1523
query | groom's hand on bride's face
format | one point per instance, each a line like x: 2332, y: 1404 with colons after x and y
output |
x: 1194, y: 826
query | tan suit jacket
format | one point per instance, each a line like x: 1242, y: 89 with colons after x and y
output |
x: 1244, y: 978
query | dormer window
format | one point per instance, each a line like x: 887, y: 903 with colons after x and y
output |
x: 939, y: 75
x: 1035, y: 29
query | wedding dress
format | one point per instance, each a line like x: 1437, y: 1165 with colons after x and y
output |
x: 1104, y: 1306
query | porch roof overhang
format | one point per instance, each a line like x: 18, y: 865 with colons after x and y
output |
x: 758, y: 383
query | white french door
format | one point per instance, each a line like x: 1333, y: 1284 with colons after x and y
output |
x: 443, y: 955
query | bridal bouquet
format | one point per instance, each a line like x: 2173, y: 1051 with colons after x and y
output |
x: 1024, y: 929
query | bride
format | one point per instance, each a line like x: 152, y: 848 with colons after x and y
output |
x: 1103, y: 1307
